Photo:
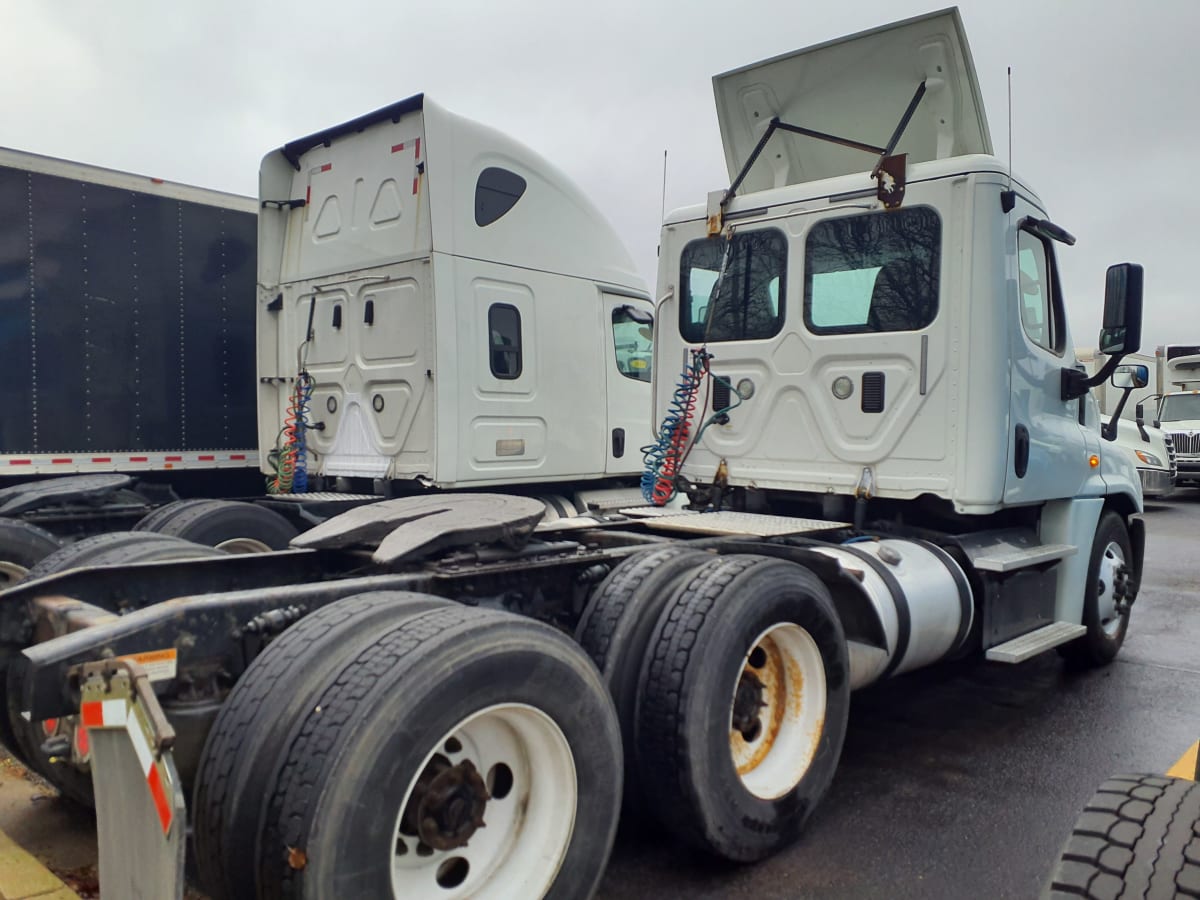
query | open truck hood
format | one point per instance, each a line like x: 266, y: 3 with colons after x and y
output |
x: 856, y: 87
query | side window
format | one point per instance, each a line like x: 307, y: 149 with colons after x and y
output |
x: 504, y: 341
x: 1039, y: 306
x: 750, y: 305
x: 496, y: 192
x: 872, y: 273
x: 634, y: 344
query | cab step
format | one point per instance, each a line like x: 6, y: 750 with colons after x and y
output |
x: 1034, y: 642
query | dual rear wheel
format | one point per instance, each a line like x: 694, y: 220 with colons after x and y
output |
x: 394, y: 744
x: 733, y: 700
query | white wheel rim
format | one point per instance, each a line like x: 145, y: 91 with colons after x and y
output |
x: 243, y: 545
x: 772, y: 757
x: 526, y: 831
x: 11, y: 573
x: 1111, y: 562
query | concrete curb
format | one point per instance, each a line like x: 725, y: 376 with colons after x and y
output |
x: 23, y: 877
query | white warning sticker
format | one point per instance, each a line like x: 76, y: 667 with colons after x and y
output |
x: 160, y: 665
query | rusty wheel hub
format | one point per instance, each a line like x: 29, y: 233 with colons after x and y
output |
x: 747, y: 703
x: 447, y: 806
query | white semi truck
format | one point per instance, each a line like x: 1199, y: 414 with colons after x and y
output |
x: 1176, y: 405
x: 1151, y: 449
x: 888, y: 455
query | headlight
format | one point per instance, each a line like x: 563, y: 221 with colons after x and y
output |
x: 1148, y: 458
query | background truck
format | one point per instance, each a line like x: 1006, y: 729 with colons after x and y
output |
x: 889, y: 459
x: 126, y: 348
x: 1175, y: 405
x: 1151, y: 449
x: 457, y: 312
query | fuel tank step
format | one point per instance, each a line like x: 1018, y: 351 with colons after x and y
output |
x: 1034, y: 642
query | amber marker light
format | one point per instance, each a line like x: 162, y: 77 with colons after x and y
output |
x: 1093, y: 460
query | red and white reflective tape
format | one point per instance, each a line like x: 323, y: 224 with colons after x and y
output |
x: 119, y: 714
x: 151, y: 461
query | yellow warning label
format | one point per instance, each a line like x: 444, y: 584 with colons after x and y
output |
x: 160, y: 665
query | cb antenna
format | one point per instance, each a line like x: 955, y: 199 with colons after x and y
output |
x: 1008, y: 199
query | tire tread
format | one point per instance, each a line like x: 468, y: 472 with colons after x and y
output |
x: 1137, y: 837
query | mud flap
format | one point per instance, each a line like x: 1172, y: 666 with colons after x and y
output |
x: 140, y: 814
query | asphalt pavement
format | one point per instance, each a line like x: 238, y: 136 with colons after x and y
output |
x: 963, y: 780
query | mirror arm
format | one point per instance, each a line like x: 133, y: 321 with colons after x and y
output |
x: 1076, y: 383
x: 1108, y: 430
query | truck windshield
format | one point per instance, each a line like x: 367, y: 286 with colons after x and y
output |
x: 1179, y: 407
x: 633, y: 341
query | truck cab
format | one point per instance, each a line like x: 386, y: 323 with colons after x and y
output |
x: 878, y: 305
x: 1179, y: 410
x: 440, y: 306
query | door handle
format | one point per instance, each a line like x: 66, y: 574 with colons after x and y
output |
x: 1021, y: 454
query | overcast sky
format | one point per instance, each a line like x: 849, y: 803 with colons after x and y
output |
x: 1106, y: 96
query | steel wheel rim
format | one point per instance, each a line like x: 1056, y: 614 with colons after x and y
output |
x: 526, y: 763
x: 774, y: 755
x: 11, y: 573
x: 243, y: 545
x: 1111, y: 562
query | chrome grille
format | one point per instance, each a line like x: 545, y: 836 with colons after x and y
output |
x: 1170, y: 445
x: 1186, y: 443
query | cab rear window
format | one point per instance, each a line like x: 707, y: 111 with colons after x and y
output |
x: 872, y: 273
x: 748, y: 304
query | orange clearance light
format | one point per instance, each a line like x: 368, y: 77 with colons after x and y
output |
x: 1093, y: 460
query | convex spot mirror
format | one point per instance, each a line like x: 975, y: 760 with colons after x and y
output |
x: 1121, y: 331
x: 1130, y: 377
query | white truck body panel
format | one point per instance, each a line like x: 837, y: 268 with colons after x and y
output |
x: 413, y: 287
x: 954, y: 389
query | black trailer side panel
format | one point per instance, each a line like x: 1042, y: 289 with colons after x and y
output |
x: 16, y: 395
x: 126, y: 320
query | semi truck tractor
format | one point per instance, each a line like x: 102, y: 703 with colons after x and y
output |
x: 1151, y: 449
x: 876, y: 452
x: 1176, y: 406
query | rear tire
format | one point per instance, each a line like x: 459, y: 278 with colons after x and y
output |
x: 412, y: 729
x: 22, y: 546
x: 252, y: 729
x: 616, y: 628
x: 114, y: 548
x: 1109, y: 568
x: 743, y: 708
x: 1139, y: 836
x: 118, y: 548
x: 228, y: 525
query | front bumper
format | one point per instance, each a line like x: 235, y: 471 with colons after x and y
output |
x: 1157, y: 483
x: 1188, y: 469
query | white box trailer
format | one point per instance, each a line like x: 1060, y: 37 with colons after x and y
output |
x: 466, y: 315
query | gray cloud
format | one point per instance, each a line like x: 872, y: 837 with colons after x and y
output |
x: 1105, y: 98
